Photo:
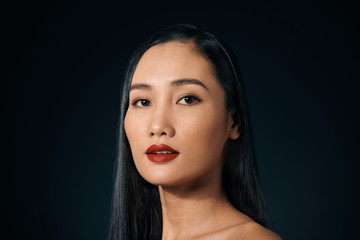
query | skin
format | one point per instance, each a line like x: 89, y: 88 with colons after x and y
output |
x: 190, y: 117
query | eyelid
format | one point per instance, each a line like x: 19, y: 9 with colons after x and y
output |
x: 137, y: 100
x: 197, y: 99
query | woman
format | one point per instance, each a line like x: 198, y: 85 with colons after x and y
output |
x: 186, y: 167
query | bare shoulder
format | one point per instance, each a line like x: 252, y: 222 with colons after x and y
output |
x: 251, y: 230
x: 238, y: 226
x: 248, y: 230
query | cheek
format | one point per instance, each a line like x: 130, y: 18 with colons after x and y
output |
x: 205, y: 134
x: 133, y: 131
x: 128, y: 126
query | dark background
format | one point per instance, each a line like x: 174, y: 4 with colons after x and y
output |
x: 62, y: 67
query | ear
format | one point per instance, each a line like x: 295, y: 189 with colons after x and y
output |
x: 234, y: 125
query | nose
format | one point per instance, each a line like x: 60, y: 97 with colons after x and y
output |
x: 161, y: 124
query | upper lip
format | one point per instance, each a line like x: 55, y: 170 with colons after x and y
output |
x: 160, y: 147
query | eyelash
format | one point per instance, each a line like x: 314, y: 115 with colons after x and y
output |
x: 135, y: 103
x: 143, y: 101
x: 193, y: 98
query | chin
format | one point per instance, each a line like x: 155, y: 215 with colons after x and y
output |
x: 158, y: 174
x: 162, y: 179
x: 168, y: 179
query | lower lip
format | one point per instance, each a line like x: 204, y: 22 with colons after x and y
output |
x: 162, y: 158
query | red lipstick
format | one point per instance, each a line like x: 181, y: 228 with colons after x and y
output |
x: 161, y: 153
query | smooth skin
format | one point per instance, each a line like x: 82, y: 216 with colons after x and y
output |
x: 175, y: 99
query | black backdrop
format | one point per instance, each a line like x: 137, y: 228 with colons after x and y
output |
x: 62, y: 68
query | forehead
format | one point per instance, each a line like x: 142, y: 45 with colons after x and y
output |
x: 172, y: 60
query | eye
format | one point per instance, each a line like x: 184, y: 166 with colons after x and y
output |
x: 188, y: 100
x: 141, y: 103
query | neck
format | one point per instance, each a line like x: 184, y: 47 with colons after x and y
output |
x: 201, y: 204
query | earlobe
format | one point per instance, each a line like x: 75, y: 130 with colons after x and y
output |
x: 234, y: 132
x: 235, y: 124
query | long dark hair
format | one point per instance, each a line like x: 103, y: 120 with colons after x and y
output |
x: 136, y: 209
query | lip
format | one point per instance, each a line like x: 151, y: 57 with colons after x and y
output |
x: 161, y: 158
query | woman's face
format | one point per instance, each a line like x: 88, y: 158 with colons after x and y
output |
x: 177, y: 123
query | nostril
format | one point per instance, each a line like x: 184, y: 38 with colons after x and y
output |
x: 159, y: 134
x: 161, y: 131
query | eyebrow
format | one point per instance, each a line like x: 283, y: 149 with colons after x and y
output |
x: 185, y: 81
x: 178, y: 82
x: 140, y: 86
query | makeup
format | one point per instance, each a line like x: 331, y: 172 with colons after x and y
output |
x: 161, y: 153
